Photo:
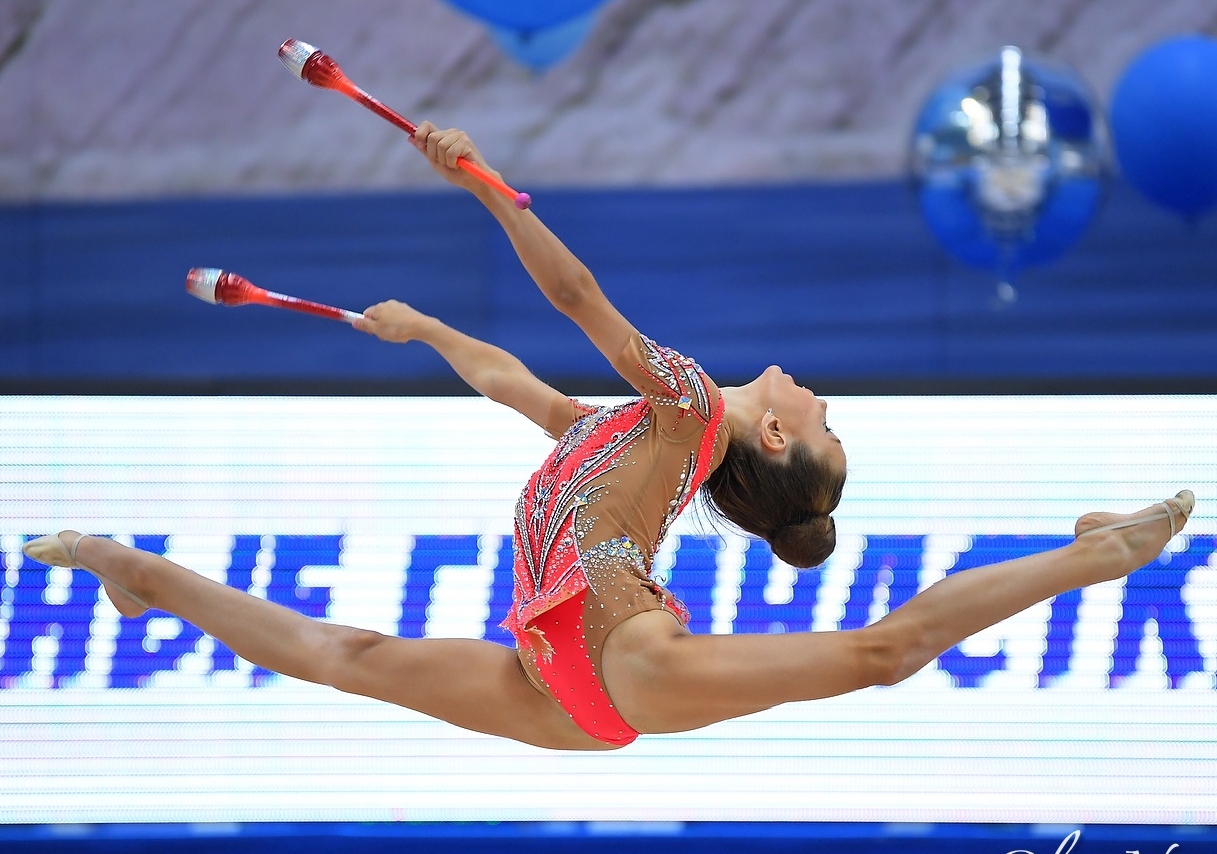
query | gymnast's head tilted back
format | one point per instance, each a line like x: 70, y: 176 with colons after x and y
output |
x: 782, y: 474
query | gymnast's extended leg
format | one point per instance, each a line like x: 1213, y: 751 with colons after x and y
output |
x: 663, y: 679
x: 473, y: 684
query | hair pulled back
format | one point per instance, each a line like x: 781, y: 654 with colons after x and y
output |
x: 786, y: 503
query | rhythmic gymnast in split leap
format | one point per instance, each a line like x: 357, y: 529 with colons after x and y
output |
x: 603, y: 652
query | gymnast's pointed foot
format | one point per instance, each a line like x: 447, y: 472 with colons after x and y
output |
x: 60, y: 550
x: 1144, y: 534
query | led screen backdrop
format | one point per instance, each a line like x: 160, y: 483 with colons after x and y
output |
x: 394, y: 514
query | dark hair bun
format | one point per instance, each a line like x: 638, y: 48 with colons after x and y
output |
x: 807, y: 544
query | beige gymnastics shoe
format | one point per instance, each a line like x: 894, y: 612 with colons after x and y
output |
x: 1182, y: 504
x: 52, y: 551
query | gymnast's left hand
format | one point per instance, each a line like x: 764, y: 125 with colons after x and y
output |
x: 393, y: 321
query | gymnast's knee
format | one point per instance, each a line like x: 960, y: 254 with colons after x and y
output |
x: 343, y: 656
x: 879, y: 656
x: 885, y: 654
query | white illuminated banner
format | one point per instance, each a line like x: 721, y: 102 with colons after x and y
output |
x: 395, y: 515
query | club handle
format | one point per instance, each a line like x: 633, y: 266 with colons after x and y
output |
x: 521, y: 200
x: 310, y: 307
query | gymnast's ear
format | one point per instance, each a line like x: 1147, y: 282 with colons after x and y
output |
x: 772, y: 438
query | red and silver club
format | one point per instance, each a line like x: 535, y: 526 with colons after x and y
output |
x: 220, y: 287
x: 315, y: 67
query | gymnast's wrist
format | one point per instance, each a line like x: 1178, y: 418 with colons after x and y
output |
x: 430, y: 330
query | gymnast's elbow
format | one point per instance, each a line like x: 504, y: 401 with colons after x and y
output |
x: 502, y: 383
x: 571, y: 293
x: 492, y: 384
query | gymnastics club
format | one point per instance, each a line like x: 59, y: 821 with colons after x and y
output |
x: 313, y: 66
x: 219, y: 287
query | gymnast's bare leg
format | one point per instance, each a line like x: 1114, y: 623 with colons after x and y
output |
x: 473, y: 684
x: 663, y: 679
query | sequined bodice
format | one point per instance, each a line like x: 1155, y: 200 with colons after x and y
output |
x: 616, y: 480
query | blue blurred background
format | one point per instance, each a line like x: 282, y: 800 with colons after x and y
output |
x: 738, y: 178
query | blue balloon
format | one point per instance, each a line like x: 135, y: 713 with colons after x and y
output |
x: 539, y: 49
x: 1009, y: 160
x: 1164, y: 123
x: 525, y: 15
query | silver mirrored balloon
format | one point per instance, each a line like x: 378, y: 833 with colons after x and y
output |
x: 1009, y: 160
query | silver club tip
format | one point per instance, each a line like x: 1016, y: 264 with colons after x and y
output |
x: 201, y: 282
x: 294, y: 53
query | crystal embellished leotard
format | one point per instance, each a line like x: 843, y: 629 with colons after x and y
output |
x: 591, y: 518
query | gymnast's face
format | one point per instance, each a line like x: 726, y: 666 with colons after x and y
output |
x: 794, y: 413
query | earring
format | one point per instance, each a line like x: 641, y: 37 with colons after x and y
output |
x: 770, y: 411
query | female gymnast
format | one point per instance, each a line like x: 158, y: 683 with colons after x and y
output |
x: 603, y: 652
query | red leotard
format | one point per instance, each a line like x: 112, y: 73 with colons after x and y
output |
x: 590, y: 519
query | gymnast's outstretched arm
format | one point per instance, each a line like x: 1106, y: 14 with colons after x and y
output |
x: 563, y: 278
x: 489, y: 370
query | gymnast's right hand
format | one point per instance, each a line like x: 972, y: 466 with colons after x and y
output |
x: 392, y: 321
x: 444, y: 147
